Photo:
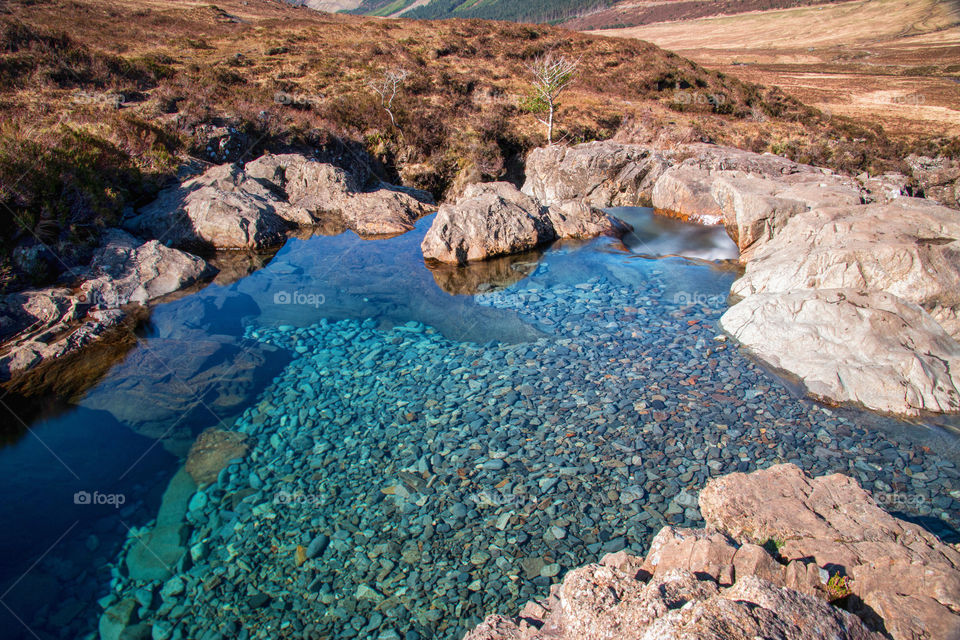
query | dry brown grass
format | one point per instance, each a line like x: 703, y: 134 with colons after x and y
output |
x: 895, y: 62
x: 70, y: 159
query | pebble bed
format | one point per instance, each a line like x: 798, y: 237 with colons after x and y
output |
x: 401, y: 485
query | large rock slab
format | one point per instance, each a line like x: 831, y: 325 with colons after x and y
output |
x: 316, y: 190
x: 41, y: 325
x: 126, y: 270
x: 489, y: 220
x: 848, y: 346
x: 223, y: 208
x: 687, y: 193
x: 156, y: 553
x: 755, y: 209
x: 906, y: 580
x: 844, y: 569
x: 752, y: 194
x: 909, y: 247
x: 600, y: 601
x: 250, y: 207
x: 496, y: 219
x: 600, y: 174
x: 169, y: 389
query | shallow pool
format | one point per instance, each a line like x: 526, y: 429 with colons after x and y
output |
x: 426, y: 446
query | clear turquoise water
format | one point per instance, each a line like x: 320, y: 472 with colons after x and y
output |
x: 559, y: 405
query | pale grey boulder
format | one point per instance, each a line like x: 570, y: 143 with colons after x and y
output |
x: 489, y: 220
x: 250, y: 207
x: 601, y: 174
x: 752, y: 195
x: 755, y: 209
x: 45, y: 324
x: 496, y: 219
x: 315, y: 190
x: 909, y: 247
x: 223, y: 208
x: 867, y: 348
x: 578, y: 220
x: 125, y: 270
x: 687, y: 193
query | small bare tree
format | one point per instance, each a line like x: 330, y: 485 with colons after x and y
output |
x: 387, y: 88
x: 551, y: 76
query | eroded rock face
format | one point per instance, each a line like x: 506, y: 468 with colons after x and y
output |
x: 316, y: 190
x: 490, y: 220
x: 50, y: 323
x: 937, y: 178
x: 909, y: 247
x: 496, y: 219
x: 229, y: 207
x: 127, y: 271
x: 845, y: 345
x: 752, y: 194
x: 907, y: 580
x: 223, y: 208
x: 719, y: 583
x: 600, y: 601
x: 600, y: 174
x: 755, y: 209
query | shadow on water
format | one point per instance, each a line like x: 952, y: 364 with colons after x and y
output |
x: 936, y: 526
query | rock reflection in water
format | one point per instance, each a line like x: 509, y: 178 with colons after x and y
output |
x: 485, y: 275
x: 385, y: 280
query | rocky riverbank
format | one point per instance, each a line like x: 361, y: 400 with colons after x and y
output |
x: 42, y: 325
x: 228, y: 207
x: 850, y: 284
x: 782, y: 555
x: 858, y: 258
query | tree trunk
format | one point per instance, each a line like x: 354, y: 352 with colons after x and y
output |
x: 550, y: 125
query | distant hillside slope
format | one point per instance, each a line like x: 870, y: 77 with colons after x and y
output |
x: 575, y: 14
x: 330, y: 6
x: 890, y: 61
x: 544, y: 11
x: 631, y: 13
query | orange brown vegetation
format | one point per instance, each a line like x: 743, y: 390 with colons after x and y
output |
x: 894, y: 62
x: 74, y: 153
